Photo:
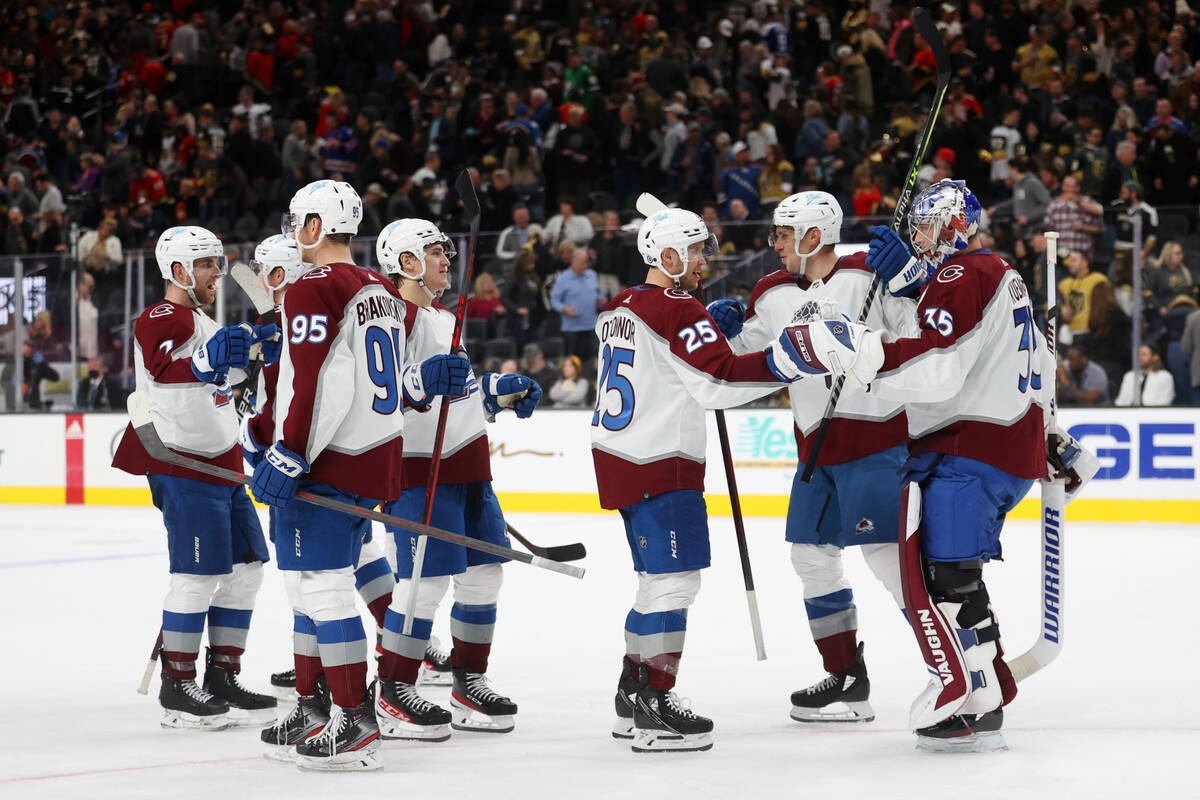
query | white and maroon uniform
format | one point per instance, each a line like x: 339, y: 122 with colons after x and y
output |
x: 662, y: 363
x: 863, y: 423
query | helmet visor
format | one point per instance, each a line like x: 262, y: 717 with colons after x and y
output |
x: 219, y: 262
x: 705, y: 247
x: 448, y: 248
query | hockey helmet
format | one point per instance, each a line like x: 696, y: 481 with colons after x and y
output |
x: 678, y: 230
x: 278, y: 251
x: 335, y: 202
x: 942, y: 220
x: 183, y: 245
x: 413, y: 236
x: 804, y: 211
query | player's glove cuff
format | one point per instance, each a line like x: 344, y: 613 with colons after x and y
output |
x: 278, y: 475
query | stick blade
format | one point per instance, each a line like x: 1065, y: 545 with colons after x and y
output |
x: 933, y: 37
x: 466, y: 192
x: 249, y: 283
x: 566, y: 552
x: 648, y: 205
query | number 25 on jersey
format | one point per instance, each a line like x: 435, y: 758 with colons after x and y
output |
x: 616, y: 416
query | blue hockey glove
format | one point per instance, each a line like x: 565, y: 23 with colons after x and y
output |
x: 729, y: 315
x: 227, y: 349
x: 518, y: 392
x: 252, y: 451
x: 272, y: 343
x: 277, y: 476
x: 900, y: 271
x: 444, y: 375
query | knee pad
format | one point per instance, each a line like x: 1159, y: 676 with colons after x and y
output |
x: 479, y: 585
x: 328, y: 595
x: 666, y: 592
x: 820, y: 568
x: 190, y: 594
x: 429, y: 595
x: 960, y: 582
x: 291, y: 585
x: 239, y: 588
x: 883, y: 559
x: 371, y: 551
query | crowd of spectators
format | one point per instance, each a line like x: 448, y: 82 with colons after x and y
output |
x: 121, y: 119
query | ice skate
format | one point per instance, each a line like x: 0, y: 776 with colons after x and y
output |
x: 283, y: 684
x: 245, y: 707
x: 404, y: 714
x: 625, y: 700
x: 965, y: 733
x: 663, y: 722
x: 188, y: 706
x: 435, y: 667
x: 478, y: 707
x: 307, y: 719
x: 349, y: 742
x: 840, y: 697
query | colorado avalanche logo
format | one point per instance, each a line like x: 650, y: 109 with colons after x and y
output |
x: 864, y: 527
x: 161, y: 311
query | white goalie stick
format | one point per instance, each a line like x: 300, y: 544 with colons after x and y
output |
x: 648, y: 205
x: 143, y: 426
x: 249, y: 282
x: 1054, y: 502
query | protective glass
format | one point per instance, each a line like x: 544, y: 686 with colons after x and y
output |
x: 289, y: 223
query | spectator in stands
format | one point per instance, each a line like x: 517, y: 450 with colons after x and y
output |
x: 1168, y: 277
x: 430, y: 186
x: 1121, y: 171
x: 100, y: 250
x: 19, y: 195
x: 1120, y: 215
x: 1152, y: 386
x: 337, y: 152
x: 50, y: 196
x: 567, y: 224
x: 498, y: 201
x: 1077, y: 218
x: 739, y: 181
x: 776, y: 180
x: 577, y: 152
x: 571, y: 388
x: 515, y: 236
x: 631, y: 155
x: 1075, y: 292
x: 1080, y: 380
x: 1034, y: 59
x: 810, y: 141
x: 533, y: 363
x: 20, y: 236
x: 524, y: 164
x: 88, y: 316
x: 1172, y: 161
x: 1029, y: 200
x: 673, y: 135
x: 692, y: 167
x: 524, y: 298
x: 100, y: 391
x: 615, y: 255
x: 485, y: 303
x: 1190, y: 345
x: 35, y: 370
x: 1109, y: 330
x: 577, y: 297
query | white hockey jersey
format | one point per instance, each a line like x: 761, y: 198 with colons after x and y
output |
x: 662, y: 363
x: 975, y: 380
x: 466, y: 456
x: 863, y: 423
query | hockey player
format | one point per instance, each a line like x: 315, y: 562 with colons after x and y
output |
x: 853, y: 497
x: 972, y: 384
x: 417, y: 256
x: 662, y: 362
x: 278, y: 264
x: 338, y: 433
x: 185, y: 364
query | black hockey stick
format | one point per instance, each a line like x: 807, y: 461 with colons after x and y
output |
x: 561, y: 552
x: 143, y: 426
x: 941, y: 56
x: 244, y: 277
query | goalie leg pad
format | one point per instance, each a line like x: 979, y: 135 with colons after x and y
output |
x: 959, y: 591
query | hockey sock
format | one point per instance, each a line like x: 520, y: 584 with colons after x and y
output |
x: 632, y: 652
x: 471, y: 627
x: 402, y: 655
x: 660, y: 638
x: 308, y: 657
x: 229, y: 614
x: 184, y: 610
x: 837, y: 651
x: 343, y: 647
x: 833, y: 621
x: 375, y: 581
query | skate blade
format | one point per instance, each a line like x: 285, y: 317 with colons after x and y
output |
x: 623, y: 728
x: 394, y: 729
x: 181, y: 720
x: 661, y: 742
x: 246, y: 717
x: 366, y: 760
x: 428, y: 676
x: 987, y: 742
x: 468, y: 719
x: 849, y: 712
x: 281, y: 753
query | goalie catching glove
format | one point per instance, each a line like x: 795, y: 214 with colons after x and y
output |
x: 833, y: 347
x: 1069, y: 461
x: 517, y: 392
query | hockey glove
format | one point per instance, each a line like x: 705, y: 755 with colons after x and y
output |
x: 277, y: 476
x: 252, y: 451
x: 900, y: 271
x: 271, y: 342
x: 1068, y: 460
x: 729, y: 315
x: 444, y: 375
x: 518, y: 392
x: 228, y: 348
x: 834, y: 347
x: 782, y: 367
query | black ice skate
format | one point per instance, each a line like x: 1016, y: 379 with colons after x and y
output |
x: 349, y: 742
x: 478, y: 707
x: 435, y: 668
x: 662, y: 722
x: 283, y: 684
x: 840, y: 697
x: 307, y: 719
x: 626, y: 699
x: 186, y: 705
x: 404, y: 714
x: 245, y: 707
x: 965, y: 733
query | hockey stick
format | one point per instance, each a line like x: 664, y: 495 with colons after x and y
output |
x: 649, y: 205
x: 245, y: 277
x: 1054, y: 502
x: 144, y: 686
x: 941, y: 56
x: 466, y: 193
x: 561, y: 552
x: 143, y: 426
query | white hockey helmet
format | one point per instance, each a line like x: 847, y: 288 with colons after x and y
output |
x: 335, y: 202
x: 804, y: 211
x: 183, y: 244
x: 676, y: 229
x: 411, y: 235
x: 278, y: 251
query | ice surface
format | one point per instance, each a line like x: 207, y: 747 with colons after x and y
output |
x: 1115, y: 716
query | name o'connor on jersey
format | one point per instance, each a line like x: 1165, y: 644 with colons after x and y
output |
x: 863, y: 423
x: 662, y: 363
x: 972, y: 380
x: 346, y: 334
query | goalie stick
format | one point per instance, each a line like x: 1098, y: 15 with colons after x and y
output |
x: 941, y: 56
x: 143, y: 426
x: 1054, y: 502
x: 246, y: 278
x: 648, y: 205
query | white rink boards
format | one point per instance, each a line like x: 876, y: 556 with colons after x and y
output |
x: 1115, y: 716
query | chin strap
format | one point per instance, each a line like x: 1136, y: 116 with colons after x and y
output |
x: 804, y: 257
x: 191, y: 290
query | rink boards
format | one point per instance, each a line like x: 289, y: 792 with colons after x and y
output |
x: 1149, y: 462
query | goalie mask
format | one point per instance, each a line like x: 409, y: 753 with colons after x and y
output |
x: 942, y: 221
